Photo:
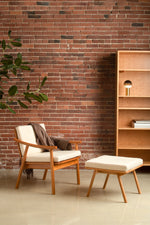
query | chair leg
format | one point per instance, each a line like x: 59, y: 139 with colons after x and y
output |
x: 136, y: 181
x: 19, y: 175
x: 92, y: 180
x: 53, y: 181
x: 106, y: 181
x: 78, y: 173
x: 45, y: 173
x: 122, y: 189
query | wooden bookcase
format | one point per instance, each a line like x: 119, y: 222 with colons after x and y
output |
x: 133, y: 142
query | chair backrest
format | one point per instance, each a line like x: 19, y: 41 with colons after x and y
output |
x: 26, y: 133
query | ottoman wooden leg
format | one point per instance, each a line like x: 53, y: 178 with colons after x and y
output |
x: 136, y: 181
x: 92, y: 180
x: 122, y: 189
x: 106, y: 181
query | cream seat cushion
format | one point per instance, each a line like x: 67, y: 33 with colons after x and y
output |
x: 26, y: 133
x: 57, y: 155
x: 114, y: 163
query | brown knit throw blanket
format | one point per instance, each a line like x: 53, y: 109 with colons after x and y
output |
x: 43, y: 138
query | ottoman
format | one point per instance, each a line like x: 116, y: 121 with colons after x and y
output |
x: 114, y: 165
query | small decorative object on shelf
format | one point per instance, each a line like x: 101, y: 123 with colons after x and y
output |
x: 128, y: 85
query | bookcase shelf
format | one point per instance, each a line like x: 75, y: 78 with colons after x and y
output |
x: 132, y: 128
x: 123, y: 96
x: 134, y: 70
x: 130, y: 141
x: 135, y: 148
x: 125, y: 108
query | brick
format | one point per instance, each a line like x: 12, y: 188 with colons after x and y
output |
x: 43, y: 3
x: 137, y: 24
x: 67, y: 37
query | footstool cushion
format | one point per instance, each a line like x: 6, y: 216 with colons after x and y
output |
x: 114, y: 163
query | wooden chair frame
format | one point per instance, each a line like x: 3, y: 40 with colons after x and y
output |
x: 119, y: 174
x: 46, y: 165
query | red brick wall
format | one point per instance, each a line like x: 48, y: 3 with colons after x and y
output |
x: 75, y: 44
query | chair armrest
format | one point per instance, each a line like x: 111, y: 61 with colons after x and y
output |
x: 76, y: 143
x: 35, y: 146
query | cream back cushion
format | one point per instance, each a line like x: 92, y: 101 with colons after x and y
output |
x: 26, y: 133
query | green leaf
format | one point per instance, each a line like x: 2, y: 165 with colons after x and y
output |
x: 25, y: 63
x: 25, y: 67
x: 10, y: 109
x: 8, y: 46
x: 8, y: 56
x: 17, y: 39
x: 28, y: 86
x: 12, y: 90
x: 4, y: 73
x: 9, y: 33
x: 10, y: 66
x: 27, y: 96
x: 44, y: 97
x: 16, y: 44
x: 19, y: 56
x: 3, y: 44
x: 1, y: 94
x: 22, y: 104
x: 28, y: 99
x: 6, y: 61
x: 14, y: 71
x: 43, y: 81
x: 35, y: 97
x: 18, y: 61
x: 3, y: 106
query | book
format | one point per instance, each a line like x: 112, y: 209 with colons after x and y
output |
x: 141, y: 123
x: 144, y: 125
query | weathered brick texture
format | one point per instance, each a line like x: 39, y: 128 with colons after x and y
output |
x: 74, y: 43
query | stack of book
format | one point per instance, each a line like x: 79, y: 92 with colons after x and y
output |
x: 141, y: 123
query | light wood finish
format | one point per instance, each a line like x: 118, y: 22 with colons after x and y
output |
x: 137, y: 183
x: 133, y: 142
x: 106, y: 181
x: 115, y: 172
x: 91, y: 183
x: 45, y: 174
x: 122, y: 188
x: 46, y: 165
x: 77, y: 170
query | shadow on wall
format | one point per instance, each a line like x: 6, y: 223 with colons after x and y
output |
x: 106, y: 72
